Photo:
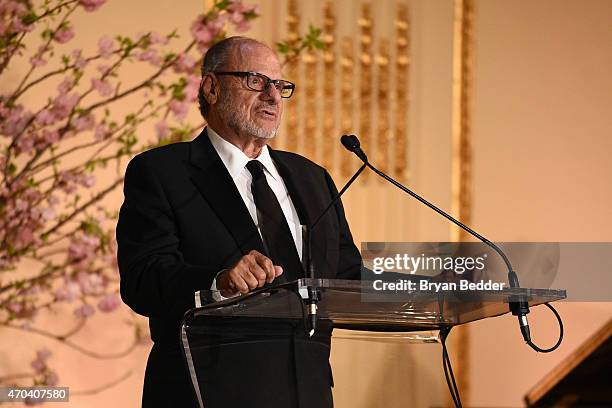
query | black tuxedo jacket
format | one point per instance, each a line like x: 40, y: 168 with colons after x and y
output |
x: 183, y: 220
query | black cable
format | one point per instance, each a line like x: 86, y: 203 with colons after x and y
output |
x: 448, y: 368
x: 553, y: 348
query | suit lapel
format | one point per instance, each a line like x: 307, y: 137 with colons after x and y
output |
x: 216, y: 185
x: 297, y: 187
x: 301, y: 190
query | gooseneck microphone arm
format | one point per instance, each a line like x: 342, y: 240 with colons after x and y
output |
x: 518, y: 308
x: 313, y: 296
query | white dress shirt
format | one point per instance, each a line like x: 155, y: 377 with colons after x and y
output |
x: 235, y: 162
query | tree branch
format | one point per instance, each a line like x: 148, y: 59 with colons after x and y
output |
x: 92, y: 354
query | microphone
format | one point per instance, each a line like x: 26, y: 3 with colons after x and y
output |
x: 351, y: 143
x: 518, y: 307
x: 313, y: 295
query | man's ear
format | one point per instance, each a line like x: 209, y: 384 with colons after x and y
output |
x: 210, y: 89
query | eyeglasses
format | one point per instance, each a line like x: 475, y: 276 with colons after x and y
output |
x: 259, y: 82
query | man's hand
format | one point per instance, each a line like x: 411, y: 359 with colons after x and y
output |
x: 252, y: 271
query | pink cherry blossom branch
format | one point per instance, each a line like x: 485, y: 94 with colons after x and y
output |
x: 9, y: 55
x: 73, y: 345
x: 141, y: 85
x: 102, y: 103
x: 17, y: 93
x: 93, y: 200
x: 109, y: 141
x: 46, y: 46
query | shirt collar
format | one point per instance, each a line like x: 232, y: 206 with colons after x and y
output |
x: 235, y: 160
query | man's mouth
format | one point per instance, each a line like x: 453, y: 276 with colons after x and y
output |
x: 268, y: 113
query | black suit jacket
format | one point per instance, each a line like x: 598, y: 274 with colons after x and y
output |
x: 183, y: 220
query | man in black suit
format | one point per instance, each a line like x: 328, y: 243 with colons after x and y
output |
x: 224, y: 211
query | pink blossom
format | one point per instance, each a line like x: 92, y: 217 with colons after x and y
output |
x: 38, y: 61
x: 82, y: 251
x: 25, y: 236
x: 43, y: 353
x: 48, y: 213
x: 101, y: 132
x: 191, y: 89
x: 236, y: 16
x: 21, y: 310
x: 244, y: 25
x: 32, y: 194
x: 26, y: 142
x: 105, y: 46
x: 79, y: 61
x: 103, y: 69
x: 82, y: 247
x: 91, y: 5
x: 238, y: 11
x: 53, y: 200
x: 104, y: 88
x: 21, y: 205
x: 63, y: 105
x: 84, y: 311
x: 156, y: 38
x: 149, y: 55
x: 179, y: 108
x: 50, y: 136
x: 64, y: 35
x: 13, y: 121
x: 109, y: 303
x: 162, y: 130
x: 51, y: 379
x: 45, y: 117
x: 185, y: 64
x: 67, y: 181
x: 70, y: 291
x: 20, y: 27
x: 91, y: 283
x: 14, y: 307
x: 88, y: 180
x: 38, y: 365
x: 13, y: 7
x: 14, y: 11
x: 85, y: 122
x: 65, y: 85
x: 205, y: 28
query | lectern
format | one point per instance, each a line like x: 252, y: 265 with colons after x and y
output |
x: 353, y: 305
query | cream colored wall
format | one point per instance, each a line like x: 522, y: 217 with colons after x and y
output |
x: 542, y: 142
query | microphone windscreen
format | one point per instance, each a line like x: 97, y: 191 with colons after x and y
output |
x: 350, y: 142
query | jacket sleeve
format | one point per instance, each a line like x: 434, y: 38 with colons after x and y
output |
x: 349, y: 263
x: 155, y: 279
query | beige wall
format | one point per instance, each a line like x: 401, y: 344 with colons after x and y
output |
x: 542, y: 144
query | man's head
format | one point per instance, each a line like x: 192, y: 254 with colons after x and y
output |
x: 228, y: 97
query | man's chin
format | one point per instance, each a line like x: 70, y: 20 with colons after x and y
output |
x: 262, y: 133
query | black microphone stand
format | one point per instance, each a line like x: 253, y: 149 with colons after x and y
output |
x: 518, y: 307
x: 313, y: 293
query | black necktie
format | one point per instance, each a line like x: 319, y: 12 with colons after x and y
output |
x: 274, y: 228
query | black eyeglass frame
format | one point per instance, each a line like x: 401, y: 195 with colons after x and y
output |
x: 248, y: 74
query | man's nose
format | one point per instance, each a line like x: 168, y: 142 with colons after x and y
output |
x: 271, y: 94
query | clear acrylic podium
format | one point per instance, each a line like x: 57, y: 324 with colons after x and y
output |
x: 368, y: 314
